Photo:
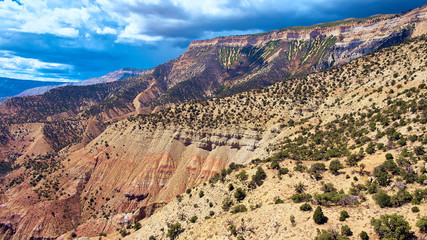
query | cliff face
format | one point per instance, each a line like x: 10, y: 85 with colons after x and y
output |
x: 121, y: 171
x: 160, y: 162
x: 107, y: 169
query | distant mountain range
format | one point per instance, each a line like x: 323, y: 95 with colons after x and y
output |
x: 19, y: 88
x: 10, y: 87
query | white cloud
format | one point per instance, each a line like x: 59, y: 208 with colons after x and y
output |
x: 45, y: 17
x: 106, y: 30
x: 135, y: 21
x: 135, y: 30
x: 13, y: 66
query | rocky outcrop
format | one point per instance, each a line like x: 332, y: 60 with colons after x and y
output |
x: 209, y: 140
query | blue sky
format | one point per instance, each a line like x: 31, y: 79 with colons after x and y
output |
x: 58, y: 40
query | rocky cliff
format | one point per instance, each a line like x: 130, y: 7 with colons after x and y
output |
x: 220, y: 67
x: 129, y: 166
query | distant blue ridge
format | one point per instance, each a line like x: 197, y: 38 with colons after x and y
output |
x: 11, y: 87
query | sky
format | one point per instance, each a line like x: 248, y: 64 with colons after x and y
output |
x: 57, y: 40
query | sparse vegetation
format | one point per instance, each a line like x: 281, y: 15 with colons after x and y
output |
x: 336, y: 139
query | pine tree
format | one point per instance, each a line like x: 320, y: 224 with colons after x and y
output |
x: 318, y: 216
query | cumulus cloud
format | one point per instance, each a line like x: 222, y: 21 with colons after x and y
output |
x: 13, y: 66
x: 45, y: 17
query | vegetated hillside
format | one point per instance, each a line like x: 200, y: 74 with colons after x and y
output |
x: 360, y: 156
x: 321, y: 117
x: 233, y: 64
x: 220, y: 67
x: 65, y: 102
x: 136, y: 166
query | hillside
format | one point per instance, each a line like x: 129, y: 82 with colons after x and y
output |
x: 171, y: 152
x: 210, y: 68
x: 374, y: 126
x: 92, y: 160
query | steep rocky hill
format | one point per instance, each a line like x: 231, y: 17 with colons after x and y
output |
x: 360, y: 150
x: 86, y: 166
x: 89, y: 192
x: 220, y: 67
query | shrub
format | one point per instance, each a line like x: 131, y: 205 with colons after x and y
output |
x: 201, y: 193
x: 419, y: 150
x: 124, y: 232
x: 137, y: 225
x: 305, y: 207
x: 230, y: 187
x: 330, y: 235
x: 227, y: 203
x: 174, y: 230
x: 239, y: 208
x: 415, y: 209
x: 346, y: 231
x: 389, y: 156
x: 283, y: 171
x: 233, y: 230
x: 334, y: 197
x: 318, y: 216
x: 292, y: 219
x: 317, y: 168
x: 301, y: 197
x: 299, y: 188
x: 382, y: 199
x: 259, y: 177
x: 275, y: 165
x: 370, y: 149
x: 344, y: 215
x: 240, y: 194
x: 419, y: 195
x: 193, y: 219
x: 400, y: 198
x: 299, y: 167
x: 328, y: 187
x: 353, y: 159
x: 215, y: 178
x: 242, y: 176
x: 364, y: 236
x: 278, y: 201
x: 373, y: 187
x: 382, y: 176
x: 335, y: 166
x: 392, y: 227
x: 422, y: 224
